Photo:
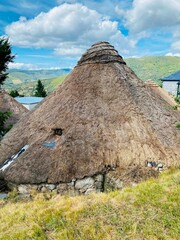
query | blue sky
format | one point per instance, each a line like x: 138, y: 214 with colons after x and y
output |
x: 54, y: 34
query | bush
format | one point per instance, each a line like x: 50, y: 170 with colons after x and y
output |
x: 3, y: 118
x: 177, y: 99
x: 14, y: 93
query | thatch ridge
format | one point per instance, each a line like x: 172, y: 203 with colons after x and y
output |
x: 101, y: 52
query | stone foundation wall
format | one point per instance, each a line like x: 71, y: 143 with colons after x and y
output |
x: 97, y: 183
x: 76, y: 187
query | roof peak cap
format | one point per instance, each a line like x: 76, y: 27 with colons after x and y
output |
x: 101, y: 52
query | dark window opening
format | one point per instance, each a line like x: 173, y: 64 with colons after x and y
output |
x: 58, y: 131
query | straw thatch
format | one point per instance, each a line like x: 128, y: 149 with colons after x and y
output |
x: 9, y: 104
x: 107, y: 119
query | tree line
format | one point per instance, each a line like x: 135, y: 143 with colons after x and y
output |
x: 39, y: 91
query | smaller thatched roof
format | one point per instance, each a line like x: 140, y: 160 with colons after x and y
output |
x: 8, y: 103
x: 161, y: 92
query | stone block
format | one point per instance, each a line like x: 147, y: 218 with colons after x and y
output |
x: 23, y: 189
x: 98, y: 185
x: 99, y: 178
x: 44, y: 189
x: 84, y: 183
x: 50, y: 186
x: 62, y: 187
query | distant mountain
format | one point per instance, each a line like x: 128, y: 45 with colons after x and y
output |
x: 25, y: 80
x: 152, y: 67
x: 17, y: 76
x: 28, y: 88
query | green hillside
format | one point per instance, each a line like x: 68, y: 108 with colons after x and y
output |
x: 56, y: 81
x: 154, y: 67
x: 18, y: 78
x: 28, y: 88
x: 34, y: 75
x: 151, y: 210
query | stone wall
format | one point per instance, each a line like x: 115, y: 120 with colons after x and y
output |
x: 101, y: 182
x: 76, y: 187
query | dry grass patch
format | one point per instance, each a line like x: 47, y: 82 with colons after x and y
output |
x: 151, y: 210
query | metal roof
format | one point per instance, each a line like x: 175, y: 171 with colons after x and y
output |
x: 29, y: 100
x: 173, y: 77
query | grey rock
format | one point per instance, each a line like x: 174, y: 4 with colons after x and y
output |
x: 98, y: 185
x: 84, y: 183
x: 160, y: 169
x: 43, y: 189
x: 99, y: 178
x: 51, y: 186
x: 71, y: 184
x: 160, y: 165
x: 23, y: 189
x: 119, y: 184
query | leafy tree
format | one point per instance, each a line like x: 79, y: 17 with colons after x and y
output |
x: 5, y: 58
x: 14, y: 93
x: 40, y: 90
x: 3, y: 117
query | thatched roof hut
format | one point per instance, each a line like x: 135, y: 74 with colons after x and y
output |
x: 101, y: 118
x: 9, y: 104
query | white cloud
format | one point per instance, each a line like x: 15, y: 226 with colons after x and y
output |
x: 21, y: 66
x: 176, y: 46
x: 64, y: 28
x: 173, y: 54
x: 71, y: 51
x: 120, y: 11
x: 151, y: 14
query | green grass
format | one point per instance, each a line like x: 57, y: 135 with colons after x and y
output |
x: 151, y: 210
x: 57, y: 81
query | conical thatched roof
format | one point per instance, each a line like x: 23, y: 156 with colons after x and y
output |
x: 101, y: 118
x: 8, y: 103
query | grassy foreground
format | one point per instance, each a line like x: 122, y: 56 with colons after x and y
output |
x: 151, y: 210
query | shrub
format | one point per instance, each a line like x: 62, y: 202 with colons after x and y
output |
x: 3, y: 118
x: 177, y: 99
